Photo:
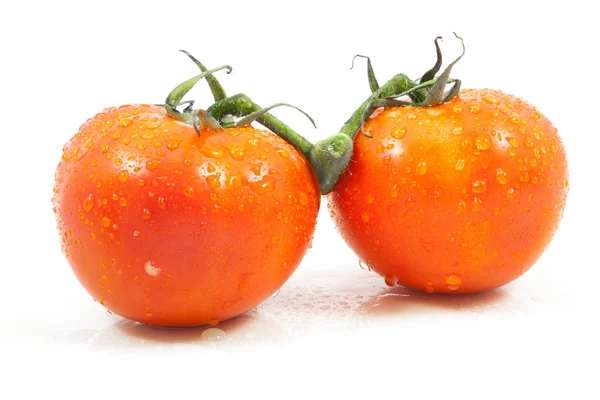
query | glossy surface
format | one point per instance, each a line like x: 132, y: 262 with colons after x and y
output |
x: 167, y: 228
x: 461, y: 197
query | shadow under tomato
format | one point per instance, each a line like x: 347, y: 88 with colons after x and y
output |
x: 127, y: 334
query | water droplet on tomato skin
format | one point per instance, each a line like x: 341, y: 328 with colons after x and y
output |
x: 212, y: 335
x: 265, y: 185
x: 475, y: 109
x: 173, y: 144
x: 453, y: 281
x: 123, y: 176
x: 365, y: 216
x: 479, y: 186
x: 429, y: 287
x: 501, y: 176
x: 391, y: 280
x: 88, y: 204
x: 460, y: 164
x: 123, y: 202
x: 214, y: 181
x: 124, y: 120
x: 152, y: 164
x: 398, y: 133
x: 421, y: 168
x: 188, y: 191
x: 145, y: 214
x: 483, y: 143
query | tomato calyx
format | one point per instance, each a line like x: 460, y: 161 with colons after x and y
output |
x: 401, y: 91
x: 328, y: 158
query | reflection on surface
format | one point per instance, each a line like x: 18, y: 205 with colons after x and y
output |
x: 331, y: 302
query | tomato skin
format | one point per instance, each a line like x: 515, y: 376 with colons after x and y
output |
x: 461, y: 197
x: 167, y: 228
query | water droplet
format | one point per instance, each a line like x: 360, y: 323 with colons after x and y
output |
x: 394, y: 191
x: 105, y: 148
x: 457, y: 109
x: 370, y: 198
x: 483, y: 142
x: 477, y: 204
x: 173, y: 144
x: 490, y: 99
x: 212, y: 153
x: 141, y: 182
x: 283, y: 153
x: 88, y: 204
x: 501, y: 176
x: 462, y: 206
x: 528, y: 142
x: 475, y: 109
x: 161, y: 203
x: 123, y: 176
x: 365, y: 216
x: 421, y: 168
x: 141, y: 146
x: 125, y: 120
x: 410, y: 201
x: 391, y: 280
x: 411, y: 116
x: 136, y: 233
x: 149, y: 314
x: 513, y: 142
x: 457, y: 130
x: 479, y: 186
x: 453, y: 281
x: 302, y: 198
x: 123, y: 201
x: 93, y: 236
x: 512, y: 152
x: 429, y: 287
x: 212, y: 335
x: 151, y: 269
x: 188, y: 191
x: 236, y: 152
x: 566, y: 182
x: 145, y: 214
x: 514, y: 120
x: 460, y: 164
x: 398, y: 133
x: 152, y: 164
x: 256, y: 168
x: 105, y: 222
x: 265, y: 185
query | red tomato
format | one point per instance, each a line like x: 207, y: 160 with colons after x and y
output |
x: 460, y: 197
x: 167, y: 228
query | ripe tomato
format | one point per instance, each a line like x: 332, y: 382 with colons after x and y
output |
x: 460, y: 197
x: 167, y: 228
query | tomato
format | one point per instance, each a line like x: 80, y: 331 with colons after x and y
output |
x: 460, y: 197
x: 169, y: 228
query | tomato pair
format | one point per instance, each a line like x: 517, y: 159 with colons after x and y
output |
x: 191, y: 217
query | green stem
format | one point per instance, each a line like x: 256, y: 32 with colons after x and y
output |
x: 398, y: 84
x: 213, y: 83
x: 240, y: 105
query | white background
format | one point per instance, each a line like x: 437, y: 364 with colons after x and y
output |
x: 63, y: 62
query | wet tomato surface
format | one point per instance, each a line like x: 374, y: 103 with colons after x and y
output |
x: 166, y: 227
x: 460, y: 197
